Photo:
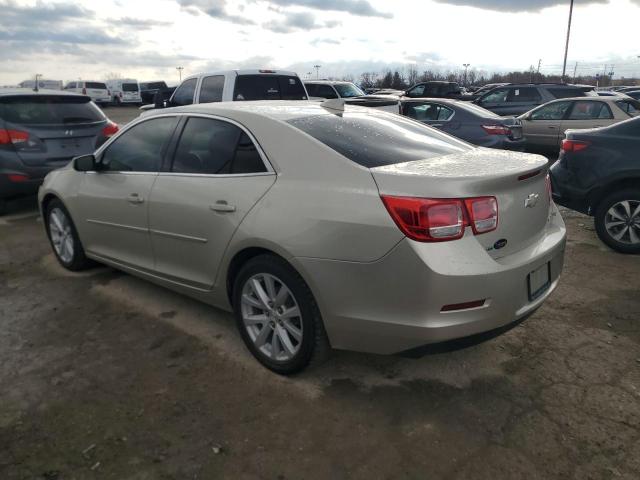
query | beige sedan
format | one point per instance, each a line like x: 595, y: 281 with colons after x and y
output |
x: 544, y: 126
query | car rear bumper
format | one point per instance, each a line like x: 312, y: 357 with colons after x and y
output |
x: 395, y: 304
x: 565, y: 193
x: 9, y: 189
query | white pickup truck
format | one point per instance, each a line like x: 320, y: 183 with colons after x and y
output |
x: 234, y: 85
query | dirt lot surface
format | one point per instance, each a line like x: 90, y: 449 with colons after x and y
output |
x: 122, y: 115
x: 105, y: 376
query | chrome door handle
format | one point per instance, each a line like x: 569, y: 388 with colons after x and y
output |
x: 553, y: 128
x: 135, y: 198
x: 222, y: 206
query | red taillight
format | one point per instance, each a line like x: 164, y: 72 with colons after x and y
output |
x: 573, y: 145
x: 267, y: 71
x: 496, y: 130
x: 17, y: 177
x: 84, y: 91
x: 110, y: 129
x: 483, y: 214
x: 13, y: 137
x: 438, y: 220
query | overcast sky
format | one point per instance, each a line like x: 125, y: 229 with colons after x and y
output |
x: 147, y: 39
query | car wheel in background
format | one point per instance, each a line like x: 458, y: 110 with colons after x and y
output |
x: 277, y: 316
x: 617, y: 221
x: 64, y: 237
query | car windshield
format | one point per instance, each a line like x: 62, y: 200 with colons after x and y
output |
x: 129, y: 87
x: 98, y: 85
x: 49, y: 110
x: 348, y: 90
x: 373, y: 139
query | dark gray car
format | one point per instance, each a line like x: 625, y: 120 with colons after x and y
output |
x: 516, y: 99
x: 598, y: 173
x: 467, y: 122
x: 42, y: 131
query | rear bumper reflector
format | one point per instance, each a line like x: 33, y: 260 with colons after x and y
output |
x: 462, y: 306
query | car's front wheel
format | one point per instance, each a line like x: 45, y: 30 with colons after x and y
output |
x: 617, y: 221
x: 64, y: 237
x: 277, y: 316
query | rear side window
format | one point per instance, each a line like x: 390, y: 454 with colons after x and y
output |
x: 95, y: 85
x: 129, y: 87
x: 523, y: 94
x: 566, y: 92
x: 211, y: 89
x: 268, y: 87
x: 428, y: 112
x: 184, y: 93
x: 140, y: 148
x: 552, y: 111
x: 583, y: 110
x: 632, y: 107
x: 49, y: 110
x: 215, y: 147
x: 373, y: 139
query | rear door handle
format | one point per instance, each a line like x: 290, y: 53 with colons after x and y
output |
x: 222, y: 206
x: 135, y: 198
x: 553, y: 128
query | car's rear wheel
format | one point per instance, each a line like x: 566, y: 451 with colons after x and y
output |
x: 617, y: 221
x: 64, y: 237
x: 277, y: 316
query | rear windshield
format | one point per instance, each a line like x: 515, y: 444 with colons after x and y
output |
x: 129, y: 87
x: 268, y: 87
x: 95, y: 85
x: 49, y: 110
x: 153, y: 85
x: 374, y: 139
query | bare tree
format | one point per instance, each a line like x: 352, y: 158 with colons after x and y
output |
x: 412, y: 75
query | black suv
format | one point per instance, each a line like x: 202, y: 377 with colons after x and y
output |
x: 519, y: 98
x: 598, y: 173
x: 434, y: 89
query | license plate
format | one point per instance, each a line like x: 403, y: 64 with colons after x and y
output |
x: 539, y: 281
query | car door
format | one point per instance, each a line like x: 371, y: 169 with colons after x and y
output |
x: 542, y: 127
x: 113, y: 201
x: 587, y: 114
x: 215, y: 176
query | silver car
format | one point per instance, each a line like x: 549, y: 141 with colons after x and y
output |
x: 318, y: 226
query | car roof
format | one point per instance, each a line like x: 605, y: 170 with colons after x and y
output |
x: 282, y: 110
x: 8, y: 92
x: 326, y: 82
x: 253, y: 71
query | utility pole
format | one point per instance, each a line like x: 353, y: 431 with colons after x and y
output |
x: 566, y: 47
x: 575, y: 70
x: 317, y: 67
x: 180, y: 72
x: 538, y: 72
x: 35, y: 87
x: 466, y: 66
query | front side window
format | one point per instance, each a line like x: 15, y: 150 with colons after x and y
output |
x: 499, y: 95
x: 553, y: 111
x: 215, y: 147
x: 140, y: 148
x: 523, y: 94
x: 417, y: 91
x: 429, y: 112
x: 348, y: 90
x: 397, y: 140
x: 590, y: 111
x: 184, y: 93
x: 211, y: 89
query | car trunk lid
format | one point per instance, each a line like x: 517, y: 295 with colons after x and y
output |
x: 517, y: 181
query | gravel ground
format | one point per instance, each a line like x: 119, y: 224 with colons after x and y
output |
x: 105, y: 376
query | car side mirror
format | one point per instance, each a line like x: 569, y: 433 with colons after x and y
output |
x: 85, y: 163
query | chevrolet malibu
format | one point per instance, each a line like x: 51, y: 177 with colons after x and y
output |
x: 319, y: 226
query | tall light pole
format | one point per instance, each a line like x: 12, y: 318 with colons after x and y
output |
x: 36, y: 88
x: 317, y: 67
x: 466, y: 66
x: 180, y: 72
x: 566, y: 47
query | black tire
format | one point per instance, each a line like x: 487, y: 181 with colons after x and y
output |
x: 601, y: 216
x: 78, y: 261
x: 314, y: 346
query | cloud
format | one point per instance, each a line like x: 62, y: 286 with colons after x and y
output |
x: 512, y: 6
x: 40, y: 13
x: 293, y: 21
x: 318, y: 41
x: 215, y: 9
x: 78, y: 37
x: 139, y: 23
x: 360, y: 8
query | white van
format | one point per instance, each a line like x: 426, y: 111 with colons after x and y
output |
x: 98, y: 91
x: 124, y: 90
x: 42, y: 83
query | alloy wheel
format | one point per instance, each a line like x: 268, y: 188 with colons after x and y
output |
x: 622, y: 222
x: 61, y: 235
x: 272, y: 317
